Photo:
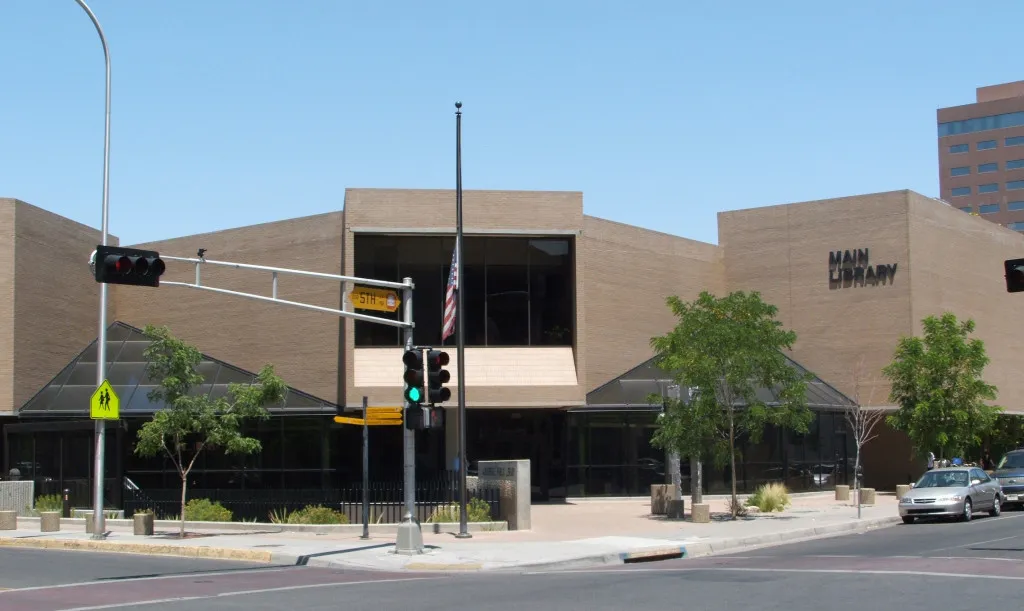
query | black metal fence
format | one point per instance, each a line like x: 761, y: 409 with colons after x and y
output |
x: 386, y: 500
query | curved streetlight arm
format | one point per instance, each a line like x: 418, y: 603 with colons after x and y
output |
x: 106, y: 135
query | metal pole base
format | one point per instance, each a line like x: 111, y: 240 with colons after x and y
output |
x: 410, y: 538
x: 465, y: 535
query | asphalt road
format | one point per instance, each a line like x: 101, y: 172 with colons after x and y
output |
x: 951, y: 566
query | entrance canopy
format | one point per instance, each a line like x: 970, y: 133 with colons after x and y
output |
x: 633, y: 389
x: 67, y: 395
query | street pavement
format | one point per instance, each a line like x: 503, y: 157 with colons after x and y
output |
x: 952, y: 566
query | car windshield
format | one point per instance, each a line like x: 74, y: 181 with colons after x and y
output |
x: 943, y: 479
x: 1012, y: 461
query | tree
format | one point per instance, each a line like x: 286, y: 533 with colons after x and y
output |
x: 191, y: 423
x: 726, y: 349
x: 862, y: 424
x: 938, y: 386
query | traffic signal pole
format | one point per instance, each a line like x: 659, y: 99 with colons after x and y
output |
x: 410, y: 537
x: 99, y: 525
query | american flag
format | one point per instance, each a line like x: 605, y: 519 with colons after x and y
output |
x: 448, y: 324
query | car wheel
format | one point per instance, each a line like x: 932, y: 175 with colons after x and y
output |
x: 997, y: 507
x: 908, y: 519
x: 967, y: 513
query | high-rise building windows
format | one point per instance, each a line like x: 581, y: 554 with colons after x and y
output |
x: 987, y: 144
x: 962, y: 171
x: 1015, y: 206
x: 988, y: 208
x: 1013, y: 185
x: 959, y: 191
x: 980, y: 124
x: 1016, y: 226
x: 992, y: 187
x: 988, y: 167
x: 966, y: 209
x: 961, y: 148
x: 1016, y: 164
x: 1012, y: 141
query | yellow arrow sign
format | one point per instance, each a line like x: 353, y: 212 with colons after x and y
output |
x: 381, y: 300
x: 104, y: 403
x: 383, y: 415
x: 369, y: 422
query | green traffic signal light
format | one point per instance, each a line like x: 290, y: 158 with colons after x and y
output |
x: 414, y: 395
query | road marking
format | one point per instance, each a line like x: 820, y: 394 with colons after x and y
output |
x: 755, y: 570
x: 188, y: 575
x: 943, y: 549
x: 245, y: 593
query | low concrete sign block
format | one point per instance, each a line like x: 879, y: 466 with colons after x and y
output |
x: 512, y: 478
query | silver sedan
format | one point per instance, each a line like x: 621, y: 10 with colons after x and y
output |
x: 952, y: 492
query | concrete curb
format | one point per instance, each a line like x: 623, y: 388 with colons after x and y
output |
x: 267, y: 527
x: 184, y: 551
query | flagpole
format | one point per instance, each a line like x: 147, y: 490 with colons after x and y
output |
x: 460, y: 339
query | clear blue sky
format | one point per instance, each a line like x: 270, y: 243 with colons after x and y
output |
x: 232, y: 112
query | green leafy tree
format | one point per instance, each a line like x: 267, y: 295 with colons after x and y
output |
x: 937, y: 384
x: 726, y: 349
x: 1006, y: 434
x: 191, y: 423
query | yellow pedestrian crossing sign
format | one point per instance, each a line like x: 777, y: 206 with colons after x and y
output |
x: 104, y: 404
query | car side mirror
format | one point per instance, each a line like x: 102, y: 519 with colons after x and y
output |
x: 975, y: 482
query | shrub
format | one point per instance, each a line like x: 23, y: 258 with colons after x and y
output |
x: 770, y: 497
x: 477, y: 510
x: 202, y: 510
x: 317, y: 514
x: 278, y: 516
x: 49, y: 502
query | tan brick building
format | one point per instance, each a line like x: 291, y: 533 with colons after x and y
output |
x: 560, y: 310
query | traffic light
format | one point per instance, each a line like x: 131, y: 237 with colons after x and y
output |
x: 437, y: 377
x: 417, y: 418
x: 1014, y: 275
x: 413, y: 360
x: 117, y: 265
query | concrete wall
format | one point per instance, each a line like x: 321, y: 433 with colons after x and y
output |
x: 846, y: 333
x: 51, y: 323
x: 303, y: 345
x: 630, y: 272
x: 957, y: 266
x: 6, y: 305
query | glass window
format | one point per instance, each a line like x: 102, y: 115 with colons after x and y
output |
x: 966, y: 209
x: 962, y: 171
x: 986, y: 144
x: 991, y: 187
x: 1013, y: 185
x: 508, y: 292
x: 1015, y: 164
x: 959, y: 148
x: 552, y: 298
x: 1015, y: 206
x: 988, y: 167
x: 517, y: 291
x: 1016, y: 226
x: 979, y: 124
x: 957, y: 192
x: 1015, y: 141
x: 988, y: 208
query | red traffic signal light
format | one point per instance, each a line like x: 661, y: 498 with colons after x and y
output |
x: 437, y: 377
x: 131, y: 266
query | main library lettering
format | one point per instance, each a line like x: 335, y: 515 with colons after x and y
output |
x: 848, y: 268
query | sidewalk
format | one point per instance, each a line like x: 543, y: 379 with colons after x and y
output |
x: 571, y: 535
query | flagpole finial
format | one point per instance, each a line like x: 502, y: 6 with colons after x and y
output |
x: 458, y: 106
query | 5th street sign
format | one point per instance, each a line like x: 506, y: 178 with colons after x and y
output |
x: 380, y: 300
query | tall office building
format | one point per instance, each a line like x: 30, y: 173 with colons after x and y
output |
x: 981, y: 155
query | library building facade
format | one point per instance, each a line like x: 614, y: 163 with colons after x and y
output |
x: 559, y: 310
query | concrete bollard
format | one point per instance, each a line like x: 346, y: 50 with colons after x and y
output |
x: 49, y: 521
x: 142, y: 524
x: 902, y: 490
x: 700, y: 513
x: 867, y: 496
x: 8, y: 520
x: 842, y: 493
x: 675, y: 509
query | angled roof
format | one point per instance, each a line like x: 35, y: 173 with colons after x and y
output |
x: 67, y: 395
x: 632, y: 389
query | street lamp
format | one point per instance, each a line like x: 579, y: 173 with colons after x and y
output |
x: 101, y: 355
